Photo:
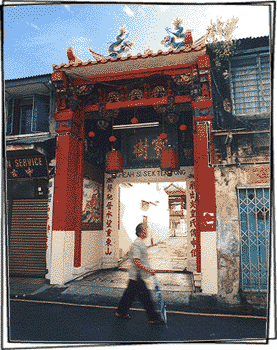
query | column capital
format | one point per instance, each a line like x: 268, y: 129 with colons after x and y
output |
x: 204, y: 118
x: 70, y: 122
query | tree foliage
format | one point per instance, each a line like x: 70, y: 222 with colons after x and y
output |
x: 221, y: 40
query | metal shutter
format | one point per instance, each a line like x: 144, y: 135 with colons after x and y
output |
x: 27, y: 238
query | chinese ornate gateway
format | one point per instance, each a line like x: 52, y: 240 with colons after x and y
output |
x: 114, y: 91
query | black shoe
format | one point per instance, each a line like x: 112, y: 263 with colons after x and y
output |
x: 122, y: 316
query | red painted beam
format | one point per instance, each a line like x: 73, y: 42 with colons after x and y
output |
x: 202, y: 104
x: 137, y: 103
x: 91, y: 108
x: 183, y: 99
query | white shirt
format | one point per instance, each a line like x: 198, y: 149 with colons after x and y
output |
x: 138, y: 250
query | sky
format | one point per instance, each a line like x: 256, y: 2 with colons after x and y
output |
x: 36, y: 37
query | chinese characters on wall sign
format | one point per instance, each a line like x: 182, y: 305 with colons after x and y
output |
x: 191, y: 202
x: 159, y: 145
x: 148, y: 149
x: 22, y: 168
x: 109, y: 215
x: 140, y: 148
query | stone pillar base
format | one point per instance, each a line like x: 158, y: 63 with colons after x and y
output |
x: 197, y: 281
x: 209, y: 263
x: 77, y: 271
x: 62, y: 257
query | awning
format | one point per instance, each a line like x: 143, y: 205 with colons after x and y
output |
x: 20, y: 145
x: 13, y: 140
x: 28, y: 86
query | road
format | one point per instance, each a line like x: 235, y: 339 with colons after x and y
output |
x: 40, y: 321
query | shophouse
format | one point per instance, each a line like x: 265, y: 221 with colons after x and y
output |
x: 30, y: 148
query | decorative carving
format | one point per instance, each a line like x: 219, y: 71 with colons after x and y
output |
x: 72, y: 58
x: 120, y: 43
x: 113, y: 96
x: 83, y: 90
x: 227, y: 105
x: 171, y: 117
x: 97, y: 56
x: 148, y: 51
x: 205, y: 91
x: 158, y: 91
x: 186, y: 39
x: 135, y: 94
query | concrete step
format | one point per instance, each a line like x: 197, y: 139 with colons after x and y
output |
x: 119, y: 279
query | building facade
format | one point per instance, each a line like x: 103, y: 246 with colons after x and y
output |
x: 30, y: 148
x: 139, y: 106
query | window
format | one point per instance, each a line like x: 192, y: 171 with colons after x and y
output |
x: 250, y: 84
x: 9, y: 115
x: 27, y: 115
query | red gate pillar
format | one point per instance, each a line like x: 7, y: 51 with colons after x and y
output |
x: 68, y: 194
x: 206, y: 256
x: 206, y: 253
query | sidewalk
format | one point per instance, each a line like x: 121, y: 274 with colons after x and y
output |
x: 105, y: 288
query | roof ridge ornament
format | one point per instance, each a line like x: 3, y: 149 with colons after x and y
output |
x: 72, y: 58
x: 170, y: 40
x: 117, y: 48
x: 120, y: 43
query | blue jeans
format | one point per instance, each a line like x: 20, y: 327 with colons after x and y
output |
x: 137, y: 288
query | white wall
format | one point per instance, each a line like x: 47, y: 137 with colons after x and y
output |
x: 131, y: 212
x: 92, y: 250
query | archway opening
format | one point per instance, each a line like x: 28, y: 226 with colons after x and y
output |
x: 161, y: 207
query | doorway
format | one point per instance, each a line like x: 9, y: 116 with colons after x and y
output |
x: 161, y: 207
x: 255, y: 230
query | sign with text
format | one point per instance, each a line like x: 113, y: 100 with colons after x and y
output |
x: 144, y: 147
x: 27, y: 168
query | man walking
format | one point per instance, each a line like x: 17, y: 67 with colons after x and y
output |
x: 139, y: 271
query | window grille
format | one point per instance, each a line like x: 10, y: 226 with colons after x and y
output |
x: 254, y: 208
x: 250, y: 84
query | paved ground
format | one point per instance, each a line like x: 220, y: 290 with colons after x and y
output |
x: 105, y: 287
x: 169, y: 255
x: 37, y: 321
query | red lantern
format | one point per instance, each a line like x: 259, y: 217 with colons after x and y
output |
x: 91, y: 134
x: 112, y: 138
x: 114, y: 162
x: 183, y: 127
x: 163, y: 136
x: 169, y: 160
x: 134, y: 120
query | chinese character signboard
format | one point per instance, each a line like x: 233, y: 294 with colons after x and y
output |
x: 191, y: 235
x: 27, y: 168
x: 144, y: 147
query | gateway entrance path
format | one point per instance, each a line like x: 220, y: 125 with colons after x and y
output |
x: 169, y: 255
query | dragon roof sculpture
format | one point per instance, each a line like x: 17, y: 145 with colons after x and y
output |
x: 117, y: 48
x: 170, y: 40
x: 178, y: 41
x: 121, y: 44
